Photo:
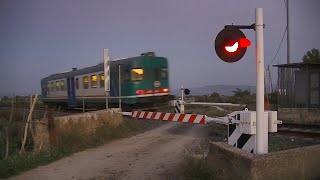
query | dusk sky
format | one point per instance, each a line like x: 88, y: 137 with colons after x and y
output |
x: 42, y: 37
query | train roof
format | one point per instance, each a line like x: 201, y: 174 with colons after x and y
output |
x: 91, y: 69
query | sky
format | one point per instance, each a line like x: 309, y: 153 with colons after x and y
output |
x: 42, y: 37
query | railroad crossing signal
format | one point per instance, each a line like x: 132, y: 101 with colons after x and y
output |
x: 231, y: 44
x: 186, y: 91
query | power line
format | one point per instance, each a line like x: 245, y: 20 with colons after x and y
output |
x: 285, y: 30
x: 284, y: 33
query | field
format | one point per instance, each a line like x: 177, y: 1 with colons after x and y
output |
x: 192, y: 150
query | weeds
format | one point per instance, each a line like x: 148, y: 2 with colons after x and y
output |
x: 18, y: 162
x: 218, y: 132
x: 69, y: 142
x: 280, y: 143
x: 195, y: 164
x: 196, y: 168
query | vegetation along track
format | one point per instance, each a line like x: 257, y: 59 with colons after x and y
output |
x: 307, y: 130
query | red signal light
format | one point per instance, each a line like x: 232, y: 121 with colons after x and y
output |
x: 244, y: 42
x: 232, y: 48
x: 231, y: 44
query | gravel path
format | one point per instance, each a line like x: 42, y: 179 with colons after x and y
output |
x: 155, y: 154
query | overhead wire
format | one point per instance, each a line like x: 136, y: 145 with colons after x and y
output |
x: 284, y: 33
x: 275, y: 56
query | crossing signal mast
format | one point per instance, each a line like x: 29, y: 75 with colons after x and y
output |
x: 231, y: 45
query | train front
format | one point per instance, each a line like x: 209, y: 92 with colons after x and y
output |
x: 150, y: 80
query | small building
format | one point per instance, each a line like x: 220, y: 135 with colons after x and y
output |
x: 298, y: 85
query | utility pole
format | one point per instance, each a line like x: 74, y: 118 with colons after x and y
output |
x: 261, y: 137
x: 288, y: 34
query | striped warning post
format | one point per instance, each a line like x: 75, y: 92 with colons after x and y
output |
x: 106, y: 69
x: 237, y: 139
x: 177, y: 106
x: 190, y: 118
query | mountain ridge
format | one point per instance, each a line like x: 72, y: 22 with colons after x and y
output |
x: 226, y: 90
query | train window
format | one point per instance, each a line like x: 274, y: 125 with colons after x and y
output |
x: 93, y: 81
x: 57, y: 86
x: 127, y: 75
x: 52, y: 86
x: 62, y: 86
x: 101, y: 82
x: 136, y: 74
x: 85, y: 82
x: 77, y: 83
x: 48, y: 87
x: 164, y: 73
x: 148, y: 74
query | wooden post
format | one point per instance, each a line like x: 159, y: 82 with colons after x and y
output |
x: 7, y: 129
x: 26, y: 127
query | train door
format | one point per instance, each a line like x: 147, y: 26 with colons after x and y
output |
x: 156, y: 83
x: 71, y: 92
x: 160, y: 74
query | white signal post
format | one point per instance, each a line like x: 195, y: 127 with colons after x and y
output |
x: 182, y: 102
x: 119, y: 86
x: 106, y: 62
x: 260, y: 140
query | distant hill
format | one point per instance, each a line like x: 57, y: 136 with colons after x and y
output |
x: 221, y: 89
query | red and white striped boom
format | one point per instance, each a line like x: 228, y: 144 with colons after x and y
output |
x: 190, y: 118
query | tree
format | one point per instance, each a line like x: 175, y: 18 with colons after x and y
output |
x: 240, y: 93
x: 312, y: 56
x: 215, y: 97
x: 241, y: 97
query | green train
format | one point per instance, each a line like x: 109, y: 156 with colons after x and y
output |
x: 144, y: 81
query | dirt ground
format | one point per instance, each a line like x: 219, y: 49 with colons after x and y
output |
x: 155, y: 154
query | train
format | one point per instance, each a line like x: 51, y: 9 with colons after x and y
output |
x: 144, y: 80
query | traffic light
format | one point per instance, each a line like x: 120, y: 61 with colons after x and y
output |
x: 231, y: 44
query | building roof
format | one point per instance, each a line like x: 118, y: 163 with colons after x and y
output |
x: 297, y: 65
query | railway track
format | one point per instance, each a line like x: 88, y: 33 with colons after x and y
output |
x: 307, y: 130
x: 154, y: 107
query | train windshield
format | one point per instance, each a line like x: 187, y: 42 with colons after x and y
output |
x: 136, y: 74
x: 155, y: 74
x: 161, y: 74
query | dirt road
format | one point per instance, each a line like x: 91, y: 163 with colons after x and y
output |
x: 155, y: 154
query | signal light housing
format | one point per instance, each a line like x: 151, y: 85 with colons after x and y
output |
x: 231, y: 44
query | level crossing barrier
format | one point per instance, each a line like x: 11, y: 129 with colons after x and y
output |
x: 241, y: 124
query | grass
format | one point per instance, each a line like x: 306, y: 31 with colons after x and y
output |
x: 280, y: 143
x: 19, y: 102
x: 70, y: 142
x: 218, y: 132
x: 196, y: 168
x: 22, y: 162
